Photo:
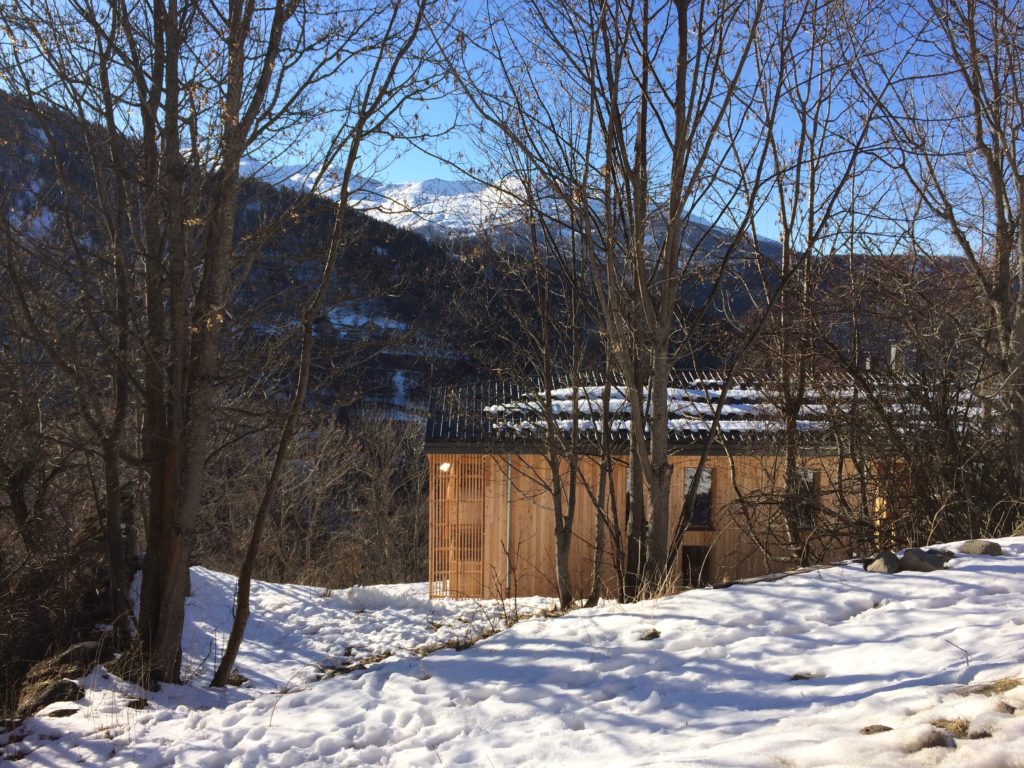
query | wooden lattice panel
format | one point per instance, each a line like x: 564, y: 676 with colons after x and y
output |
x: 456, y: 539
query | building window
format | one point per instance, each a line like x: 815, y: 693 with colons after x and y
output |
x: 698, y: 513
x: 806, y: 500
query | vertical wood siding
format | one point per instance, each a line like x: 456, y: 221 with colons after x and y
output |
x: 492, y: 526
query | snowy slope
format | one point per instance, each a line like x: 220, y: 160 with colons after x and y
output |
x: 784, y: 673
x: 435, y: 206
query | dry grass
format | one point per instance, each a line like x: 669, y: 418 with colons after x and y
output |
x: 958, y: 729
x: 1002, y: 685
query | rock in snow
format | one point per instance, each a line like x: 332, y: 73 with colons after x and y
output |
x: 924, y: 560
x: 715, y: 689
x: 870, y: 730
x: 884, y: 562
x: 53, y: 681
x: 41, y: 693
x: 981, y: 547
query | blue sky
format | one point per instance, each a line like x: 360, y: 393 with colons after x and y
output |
x: 414, y: 165
x: 404, y: 162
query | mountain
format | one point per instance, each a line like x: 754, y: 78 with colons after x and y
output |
x: 453, y: 214
x: 387, y: 333
x: 434, y: 208
x: 453, y: 208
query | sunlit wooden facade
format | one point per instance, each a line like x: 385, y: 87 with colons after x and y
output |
x: 491, y: 524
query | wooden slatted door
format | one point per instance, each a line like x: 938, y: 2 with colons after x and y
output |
x: 438, y: 565
x: 456, y: 538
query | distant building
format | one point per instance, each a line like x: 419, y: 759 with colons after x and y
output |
x: 490, y: 506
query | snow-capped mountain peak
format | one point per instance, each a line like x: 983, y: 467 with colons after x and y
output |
x: 434, y: 206
x: 431, y: 207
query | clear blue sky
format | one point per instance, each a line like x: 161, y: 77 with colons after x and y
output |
x: 415, y: 166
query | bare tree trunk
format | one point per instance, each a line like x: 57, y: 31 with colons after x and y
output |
x: 600, y: 527
x: 636, y: 556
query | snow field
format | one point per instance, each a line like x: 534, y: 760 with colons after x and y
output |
x: 783, y: 673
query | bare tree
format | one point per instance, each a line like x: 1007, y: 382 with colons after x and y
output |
x: 623, y: 112
x: 182, y: 95
x: 953, y: 131
x: 548, y: 340
x: 350, y: 507
x: 818, y: 136
x: 388, y: 84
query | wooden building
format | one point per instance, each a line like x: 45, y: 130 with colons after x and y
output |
x: 491, y: 529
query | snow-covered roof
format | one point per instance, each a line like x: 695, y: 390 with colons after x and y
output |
x: 748, y: 410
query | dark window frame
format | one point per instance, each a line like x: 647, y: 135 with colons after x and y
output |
x: 699, y: 516
x: 808, y: 497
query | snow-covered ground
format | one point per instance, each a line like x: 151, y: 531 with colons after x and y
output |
x: 782, y: 673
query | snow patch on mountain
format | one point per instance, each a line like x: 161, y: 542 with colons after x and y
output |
x: 436, y: 206
x: 432, y: 207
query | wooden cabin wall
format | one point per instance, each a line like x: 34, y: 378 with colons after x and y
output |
x: 532, y: 547
x: 532, y: 527
x: 731, y: 554
x: 753, y: 530
x: 492, y: 526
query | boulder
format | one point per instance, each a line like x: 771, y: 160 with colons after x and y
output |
x: 41, y: 693
x: 883, y: 562
x: 923, y: 560
x: 980, y: 547
x: 54, y: 679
